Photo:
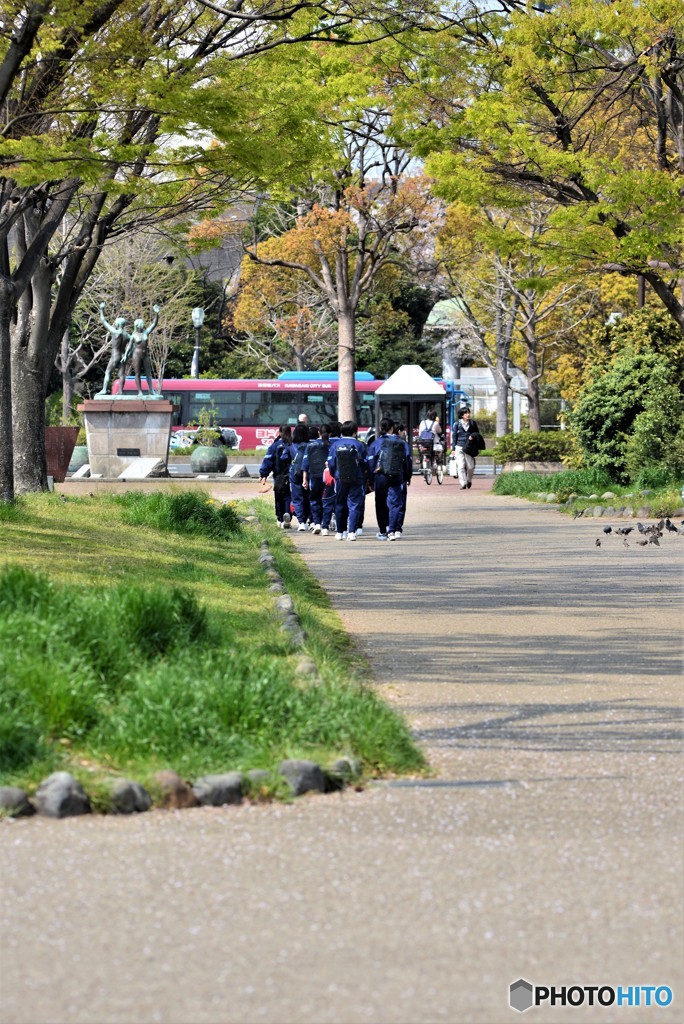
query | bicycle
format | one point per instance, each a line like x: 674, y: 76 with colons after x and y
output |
x: 431, y: 462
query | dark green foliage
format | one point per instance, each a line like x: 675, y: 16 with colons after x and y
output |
x: 606, y: 417
x: 184, y: 512
x: 532, y: 446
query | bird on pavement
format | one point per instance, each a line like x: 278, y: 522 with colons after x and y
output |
x: 642, y: 543
x: 669, y: 526
x: 597, y: 542
x: 607, y: 529
x: 576, y: 515
x: 625, y: 530
x: 625, y: 542
x: 641, y: 528
x: 653, y: 539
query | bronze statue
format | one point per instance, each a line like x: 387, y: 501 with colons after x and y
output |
x: 138, y: 349
x: 120, y: 341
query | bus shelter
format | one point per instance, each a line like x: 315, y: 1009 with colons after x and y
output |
x: 406, y: 397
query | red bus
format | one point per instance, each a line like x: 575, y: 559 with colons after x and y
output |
x: 254, y: 409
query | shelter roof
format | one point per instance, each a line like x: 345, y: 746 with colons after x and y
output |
x: 411, y: 379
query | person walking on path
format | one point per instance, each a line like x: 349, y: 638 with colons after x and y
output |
x: 300, y: 496
x: 277, y: 461
x: 467, y: 442
x: 347, y: 463
x: 313, y: 467
x: 390, y: 466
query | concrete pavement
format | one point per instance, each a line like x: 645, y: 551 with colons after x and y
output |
x: 542, y: 676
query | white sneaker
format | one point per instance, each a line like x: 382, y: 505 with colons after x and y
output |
x: 391, y: 536
x: 339, y: 536
x: 324, y: 532
x: 301, y: 528
x: 280, y: 525
x: 351, y: 536
x: 381, y: 536
x: 359, y: 532
x: 316, y: 528
x: 397, y: 535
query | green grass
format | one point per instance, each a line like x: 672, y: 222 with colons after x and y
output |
x: 126, y: 648
x: 665, y: 498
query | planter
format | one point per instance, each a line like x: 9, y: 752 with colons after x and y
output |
x: 79, y: 458
x: 206, y: 459
x: 533, y: 467
x: 59, y: 445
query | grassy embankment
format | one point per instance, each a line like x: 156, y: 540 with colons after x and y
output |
x: 129, y: 644
x: 658, y: 500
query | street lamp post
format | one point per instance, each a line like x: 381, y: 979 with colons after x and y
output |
x: 197, y: 321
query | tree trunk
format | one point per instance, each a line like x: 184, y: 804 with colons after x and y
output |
x: 28, y: 405
x: 533, y: 386
x: 29, y: 377
x: 501, y: 404
x: 6, y: 448
x: 346, y: 339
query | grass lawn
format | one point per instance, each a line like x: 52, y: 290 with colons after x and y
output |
x: 582, y: 483
x: 127, y: 646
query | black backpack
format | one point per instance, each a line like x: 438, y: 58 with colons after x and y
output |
x: 347, y: 463
x: 392, y: 457
x: 317, y: 457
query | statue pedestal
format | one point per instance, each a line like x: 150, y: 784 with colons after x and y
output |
x: 120, y: 430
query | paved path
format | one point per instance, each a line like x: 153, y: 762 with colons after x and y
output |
x: 542, y: 676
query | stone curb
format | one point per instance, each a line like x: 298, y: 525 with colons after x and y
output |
x: 67, y: 798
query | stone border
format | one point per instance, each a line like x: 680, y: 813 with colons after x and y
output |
x: 60, y: 795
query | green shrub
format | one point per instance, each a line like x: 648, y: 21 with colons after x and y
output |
x: 183, y: 512
x: 533, y: 446
x: 630, y: 416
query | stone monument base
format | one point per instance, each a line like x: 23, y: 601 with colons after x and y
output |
x: 121, y: 430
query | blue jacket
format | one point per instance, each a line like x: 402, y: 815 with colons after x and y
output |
x: 277, y: 459
x: 295, y: 449
x: 374, y: 456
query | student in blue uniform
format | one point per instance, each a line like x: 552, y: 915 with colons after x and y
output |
x: 277, y: 461
x: 347, y: 463
x: 313, y: 466
x: 300, y: 497
x: 390, y: 463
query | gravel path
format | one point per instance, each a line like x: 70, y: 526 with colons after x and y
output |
x: 542, y: 676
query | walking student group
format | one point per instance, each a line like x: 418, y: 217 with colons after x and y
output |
x: 323, y: 476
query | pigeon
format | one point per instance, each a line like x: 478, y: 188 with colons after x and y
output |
x: 641, y: 528
x: 642, y: 543
x: 607, y: 529
x: 653, y: 539
x: 597, y: 542
x: 670, y: 527
x: 576, y: 515
x: 625, y: 543
x: 624, y: 530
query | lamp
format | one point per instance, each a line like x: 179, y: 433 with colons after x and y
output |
x: 197, y: 321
